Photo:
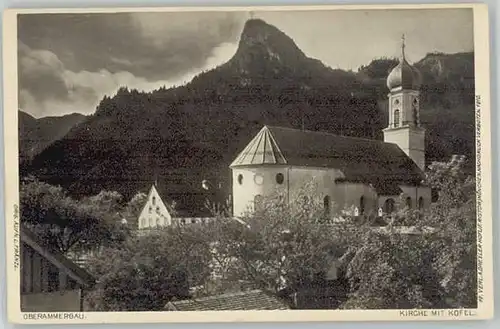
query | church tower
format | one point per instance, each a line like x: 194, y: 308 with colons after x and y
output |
x: 404, y: 127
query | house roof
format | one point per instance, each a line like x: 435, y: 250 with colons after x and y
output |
x: 246, y: 300
x: 56, y: 257
x: 359, y: 159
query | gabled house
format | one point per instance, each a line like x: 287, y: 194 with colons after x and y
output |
x: 154, y: 213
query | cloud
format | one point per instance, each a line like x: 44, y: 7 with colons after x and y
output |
x: 48, y: 88
x: 152, y: 45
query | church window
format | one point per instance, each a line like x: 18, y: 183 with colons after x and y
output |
x: 389, y: 206
x: 280, y: 178
x: 258, y: 202
x: 258, y: 179
x: 150, y: 209
x: 396, y: 102
x: 326, y: 205
x: 154, y: 200
x: 157, y: 208
x: 408, y: 203
x: 240, y: 179
x: 396, y: 118
x: 193, y: 221
x: 415, y: 115
x: 421, y: 203
x: 362, y: 205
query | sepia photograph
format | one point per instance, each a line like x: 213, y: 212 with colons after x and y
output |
x: 276, y: 164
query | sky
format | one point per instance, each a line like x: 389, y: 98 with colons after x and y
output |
x: 67, y: 63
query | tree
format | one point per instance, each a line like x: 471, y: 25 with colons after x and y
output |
x: 454, y: 215
x: 135, y: 205
x: 148, y: 270
x: 426, y: 270
x: 280, y: 245
x: 392, y: 271
x: 66, y: 223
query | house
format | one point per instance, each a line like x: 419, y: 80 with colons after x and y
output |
x: 154, y: 213
x: 369, y: 175
x: 252, y: 300
x: 50, y: 282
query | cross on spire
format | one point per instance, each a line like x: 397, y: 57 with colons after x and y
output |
x: 403, y: 45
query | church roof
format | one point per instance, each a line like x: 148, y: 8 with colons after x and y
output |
x: 361, y: 160
x: 405, y: 76
x: 262, y: 149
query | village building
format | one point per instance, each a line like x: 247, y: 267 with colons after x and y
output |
x: 156, y: 214
x: 50, y: 282
x: 252, y: 300
x: 369, y: 175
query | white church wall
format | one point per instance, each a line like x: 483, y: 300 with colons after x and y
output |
x: 399, y: 137
x: 351, y: 193
x: 249, y: 182
x: 382, y: 200
x: 415, y: 193
x: 323, y: 178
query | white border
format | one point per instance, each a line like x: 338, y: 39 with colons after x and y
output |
x: 482, y: 85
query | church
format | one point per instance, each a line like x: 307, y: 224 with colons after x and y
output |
x: 369, y: 175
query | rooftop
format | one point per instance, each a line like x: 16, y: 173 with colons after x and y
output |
x: 364, y: 160
x: 246, y: 300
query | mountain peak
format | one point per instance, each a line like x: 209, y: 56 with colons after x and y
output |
x: 262, y: 41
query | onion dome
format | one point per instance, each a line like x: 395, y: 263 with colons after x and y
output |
x: 404, y: 75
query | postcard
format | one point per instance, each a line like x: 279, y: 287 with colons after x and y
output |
x: 248, y: 164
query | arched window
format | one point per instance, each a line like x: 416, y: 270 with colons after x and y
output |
x: 420, y: 203
x: 157, y: 208
x: 240, y: 179
x: 150, y: 209
x: 193, y: 220
x: 154, y: 200
x: 258, y: 202
x: 326, y: 204
x: 389, y: 206
x: 362, y: 205
x: 408, y: 203
x: 280, y: 178
x: 396, y: 118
